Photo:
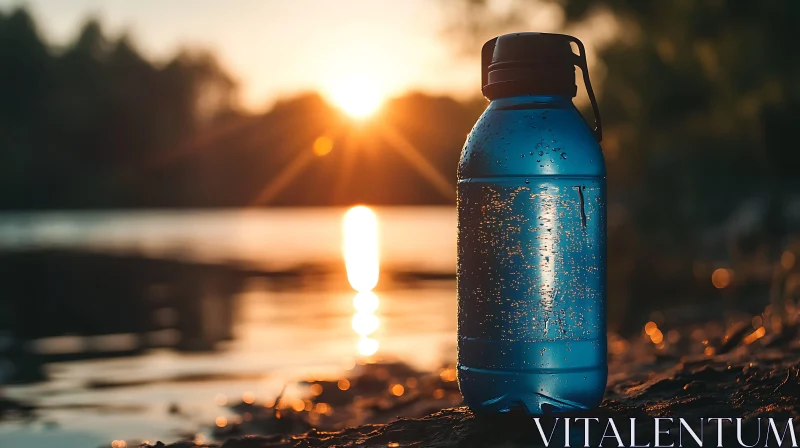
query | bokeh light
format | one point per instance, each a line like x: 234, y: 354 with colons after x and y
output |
x: 365, y: 302
x: 248, y: 397
x: 754, y: 336
x: 365, y: 323
x: 673, y: 336
x: 368, y: 346
x: 787, y: 260
x: 448, y: 375
x: 398, y: 390
x: 298, y: 405
x: 657, y: 336
x: 323, y: 145
x: 721, y: 278
x: 221, y: 421
x: 221, y: 400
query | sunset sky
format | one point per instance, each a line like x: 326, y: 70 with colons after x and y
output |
x: 278, y: 48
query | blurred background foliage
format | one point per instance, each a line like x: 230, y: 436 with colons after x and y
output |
x: 702, y: 100
x: 701, y: 97
x: 75, y: 121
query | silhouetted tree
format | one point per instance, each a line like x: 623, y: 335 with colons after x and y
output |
x: 77, y: 124
x: 26, y: 79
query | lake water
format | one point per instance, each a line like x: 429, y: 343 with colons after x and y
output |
x: 281, y: 335
x: 421, y: 238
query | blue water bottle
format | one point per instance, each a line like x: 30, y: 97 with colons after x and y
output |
x: 532, y: 235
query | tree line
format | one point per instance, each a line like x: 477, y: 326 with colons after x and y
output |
x: 95, y: 124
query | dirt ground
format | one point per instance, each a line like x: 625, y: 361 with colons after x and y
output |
x: 739, y: 369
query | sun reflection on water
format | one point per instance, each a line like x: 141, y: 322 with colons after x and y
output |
x: 360, y: 250
x: 360, y: 247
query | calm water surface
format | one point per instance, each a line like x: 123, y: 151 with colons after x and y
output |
x: 317, y: 329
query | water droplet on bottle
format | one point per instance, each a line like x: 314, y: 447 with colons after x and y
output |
x: 564, y: 155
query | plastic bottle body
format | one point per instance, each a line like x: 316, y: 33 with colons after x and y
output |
x: 531, y: 259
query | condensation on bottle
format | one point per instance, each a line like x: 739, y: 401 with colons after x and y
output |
x: 532, y: 235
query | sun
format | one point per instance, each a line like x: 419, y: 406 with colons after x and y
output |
x: 358, y: 96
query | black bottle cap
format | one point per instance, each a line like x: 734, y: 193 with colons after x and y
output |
x: 534, y: 64
x: 528, y: 63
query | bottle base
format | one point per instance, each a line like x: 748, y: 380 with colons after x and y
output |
x: 550, y: 391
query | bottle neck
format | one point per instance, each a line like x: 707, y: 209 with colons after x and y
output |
x: 513, y: 102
